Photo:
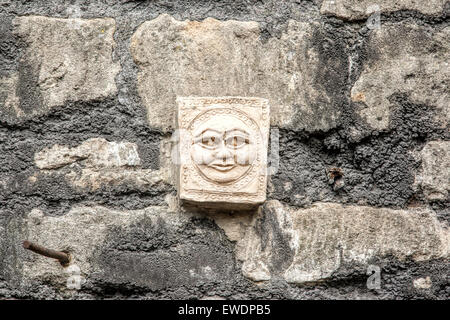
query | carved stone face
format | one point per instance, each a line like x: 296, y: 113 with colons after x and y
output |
x: 223, y: 148
x: 222, y: 151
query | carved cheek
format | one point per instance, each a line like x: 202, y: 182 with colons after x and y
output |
x: 201, y: 155
x: 243, y: 156
x: 252, y: 153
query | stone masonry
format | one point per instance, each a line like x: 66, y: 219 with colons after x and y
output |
x: 359, y: 121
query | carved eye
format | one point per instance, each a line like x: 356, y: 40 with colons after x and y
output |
x: 209, y: 141
x: 236, y: 141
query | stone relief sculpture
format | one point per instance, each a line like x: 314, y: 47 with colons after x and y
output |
x: 223, y: 151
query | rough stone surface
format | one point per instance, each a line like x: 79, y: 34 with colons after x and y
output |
x: 396, y: 66
x: 97, y: 162
x: 434, y: 177
x: 332, y: 153
x: 65, y: 60
x: 193, y: 58
x: 306, y: 245
x: 234, y: 225
x: 361, y: 9
x: 423, y: 283
x: 96, y: 152
x: 161, y: 254
x: 8, y: 97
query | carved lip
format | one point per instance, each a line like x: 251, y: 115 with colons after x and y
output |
x: 223, y: 167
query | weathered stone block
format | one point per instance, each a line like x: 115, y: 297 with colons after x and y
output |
x: 398, y: 65
x: 98, y: 162
x: 360, y: 9
x: 95, y: 152
x: 298, y: 75
x: 223, y: 150
x: 149, y: 248
x: 65, y: 60
x: 434, y: 177
x: 303, y: 245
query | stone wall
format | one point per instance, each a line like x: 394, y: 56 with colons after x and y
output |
x: 359, y: 96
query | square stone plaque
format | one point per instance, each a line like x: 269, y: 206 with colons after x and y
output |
x: 223, y: 150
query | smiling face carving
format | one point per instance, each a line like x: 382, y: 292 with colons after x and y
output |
x: 223, y: 148
x: 222, y: 151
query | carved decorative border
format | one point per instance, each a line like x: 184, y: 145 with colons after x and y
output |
x: 216, y: 192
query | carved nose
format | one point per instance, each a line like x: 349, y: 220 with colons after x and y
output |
x: 223, y: 153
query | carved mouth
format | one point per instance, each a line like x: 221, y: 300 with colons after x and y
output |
x: 223, y: 167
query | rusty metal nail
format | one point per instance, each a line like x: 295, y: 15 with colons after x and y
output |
x: 336, y: 178
x: 62, y: 257
x: 335, y: 173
